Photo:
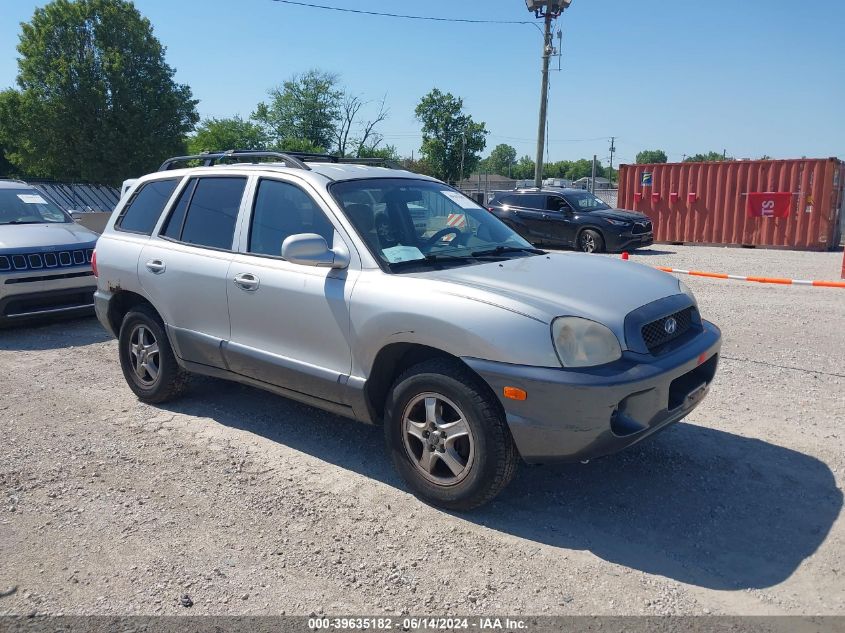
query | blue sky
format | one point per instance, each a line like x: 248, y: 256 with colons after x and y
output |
x: 751, y: 76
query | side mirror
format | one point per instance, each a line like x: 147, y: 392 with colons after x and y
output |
x: 310, y: 249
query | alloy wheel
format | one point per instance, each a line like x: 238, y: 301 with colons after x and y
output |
x: 144, y: 355
x: 438, y: 439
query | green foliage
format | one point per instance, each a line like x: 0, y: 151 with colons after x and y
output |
x: 709, y: 157
x: 649, y: 156
x: 501, y: 160
x: 524, y: 168
x: 449, y: 136
x: 97, y: 101
x: 303, y: 112
x: 222, y: 134
x: 388, y: 152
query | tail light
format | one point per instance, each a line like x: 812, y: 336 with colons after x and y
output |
x: 94, y: 264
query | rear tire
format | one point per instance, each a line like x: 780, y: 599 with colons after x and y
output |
x: 590, y: 241
x: 146, y: 358
x: 447, y: 436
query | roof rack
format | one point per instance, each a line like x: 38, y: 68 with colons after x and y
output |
x: 329, y: 158
x: 211, y: 158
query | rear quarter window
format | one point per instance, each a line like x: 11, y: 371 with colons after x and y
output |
x: 146, y: 205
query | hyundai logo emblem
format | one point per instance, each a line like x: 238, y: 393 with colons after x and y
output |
x: 670, y: 325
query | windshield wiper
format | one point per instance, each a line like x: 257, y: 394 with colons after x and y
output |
x: 434, y: 259
x: 500, y: 250
x: 22, y: 222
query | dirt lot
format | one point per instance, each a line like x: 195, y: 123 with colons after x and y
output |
x: 251, y: 503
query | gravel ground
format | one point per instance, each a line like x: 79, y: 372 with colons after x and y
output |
x: 252, y: 504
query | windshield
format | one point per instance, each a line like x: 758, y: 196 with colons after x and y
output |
x: 584, y: 201
x: 27, y: 206
x: 409, y: 220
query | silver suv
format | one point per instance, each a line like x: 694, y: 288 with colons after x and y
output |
x: 45, y: 257
x: 391, y: 298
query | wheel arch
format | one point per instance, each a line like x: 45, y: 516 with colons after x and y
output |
x: 121, y: 303
x: 394, y: 359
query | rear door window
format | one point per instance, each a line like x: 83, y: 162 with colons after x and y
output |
x: 531, y: 201
x: 207, y: 211
x: 142, y: 212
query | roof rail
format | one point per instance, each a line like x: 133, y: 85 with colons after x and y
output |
x: 329, y: 158
x: 210, y: 158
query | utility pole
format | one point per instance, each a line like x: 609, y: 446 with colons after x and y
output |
x: 593, y: 177
x: 544, y: 101
x: 463, y: 152
x: 549, y: 10
x: 612, y: 152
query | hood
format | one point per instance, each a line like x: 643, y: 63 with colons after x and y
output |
x: 621, y: 214
x: 562, y: 284
x: 40, y: 237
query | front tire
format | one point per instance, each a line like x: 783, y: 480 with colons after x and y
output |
x: 146, y: 358
x: 590, y: 241
x: 447, y: 436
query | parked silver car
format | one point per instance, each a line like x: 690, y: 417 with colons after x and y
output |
x: 473, y: 349
x: 45, y: 257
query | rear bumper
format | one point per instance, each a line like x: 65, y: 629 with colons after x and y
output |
x: 573, y: 415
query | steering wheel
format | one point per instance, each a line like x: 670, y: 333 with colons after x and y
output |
x: 443, y: 233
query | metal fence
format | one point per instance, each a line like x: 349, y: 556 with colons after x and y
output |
x: 77, y: 196
x: 483, y: 196
x: 609, y: 196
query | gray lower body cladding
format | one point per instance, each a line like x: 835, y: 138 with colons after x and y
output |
x: 574, y: 415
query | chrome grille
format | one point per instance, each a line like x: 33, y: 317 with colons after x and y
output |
x: 642, y: 227
x: 655, y: 334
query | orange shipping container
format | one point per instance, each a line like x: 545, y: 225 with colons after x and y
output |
x: 706, y: 203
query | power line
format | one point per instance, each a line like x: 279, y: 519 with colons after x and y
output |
x: 401, y: 16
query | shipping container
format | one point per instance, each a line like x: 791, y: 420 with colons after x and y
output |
x: 707, y: 203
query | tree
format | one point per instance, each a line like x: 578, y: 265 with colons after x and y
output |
x: 501, y: 160
x: 524, y: 168
x: 450, y: 137
x: 222, y: 134
x: 366, y: 141
x: 96, y: 99
x: 303, y: 112
x: 649, y: 156
x: 709, y: 157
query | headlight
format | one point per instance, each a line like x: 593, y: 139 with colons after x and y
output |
x: 617, y: 222
x: 584, y: 343
x: 685, y: 289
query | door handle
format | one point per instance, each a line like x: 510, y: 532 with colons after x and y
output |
x: 156, y: 266
x: 546, y: 216
x: 246, y: 281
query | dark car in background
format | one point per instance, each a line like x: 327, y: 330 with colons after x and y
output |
x: 572, y: 218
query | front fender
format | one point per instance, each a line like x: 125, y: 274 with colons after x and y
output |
x: 382, y: 315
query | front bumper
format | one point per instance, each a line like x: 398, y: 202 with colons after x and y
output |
x: 39, y: 294
x: 629, y: 241
x: 574, y: 415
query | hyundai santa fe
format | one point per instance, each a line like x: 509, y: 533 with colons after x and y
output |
x: 393, y: 299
